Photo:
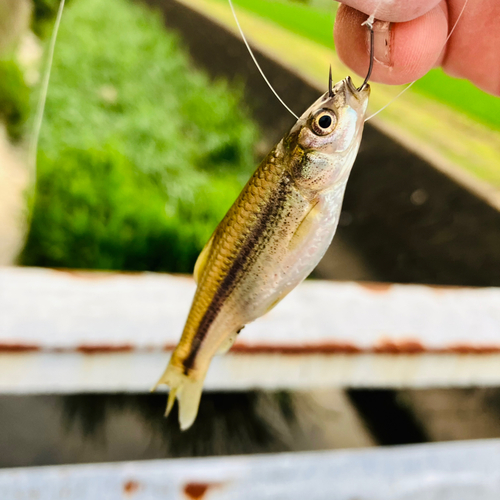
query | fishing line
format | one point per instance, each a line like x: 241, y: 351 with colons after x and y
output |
x: 373, y: 16
x: 256, y: 63
x: 411, y: 84
x: 44, y: 88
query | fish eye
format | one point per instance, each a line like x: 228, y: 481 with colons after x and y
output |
x: 323, y: 122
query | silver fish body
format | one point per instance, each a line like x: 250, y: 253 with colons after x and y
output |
x: 271, y: 238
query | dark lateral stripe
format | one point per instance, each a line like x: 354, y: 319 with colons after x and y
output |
x: 240, y: 263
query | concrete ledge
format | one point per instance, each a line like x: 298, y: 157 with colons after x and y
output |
x: 73, y: 331
x: 463, y: 470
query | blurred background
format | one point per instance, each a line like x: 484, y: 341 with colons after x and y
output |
x: 155, y: 118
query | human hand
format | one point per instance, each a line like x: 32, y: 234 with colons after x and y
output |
x: 410, y: 38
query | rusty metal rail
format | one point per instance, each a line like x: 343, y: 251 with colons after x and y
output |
x: 452, y: 471
x: 72, y: 331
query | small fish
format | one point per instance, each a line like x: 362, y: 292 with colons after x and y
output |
x: 271, y: 239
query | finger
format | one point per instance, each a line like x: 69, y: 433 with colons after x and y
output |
x: 403, y: 51
x: 473, y: 51
x: 393, y: 10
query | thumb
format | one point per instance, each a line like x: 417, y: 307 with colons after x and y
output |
x: 403, y: 51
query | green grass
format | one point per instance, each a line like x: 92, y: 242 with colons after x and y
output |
x: 14, y: 98
x: 461, y: 95
x: 44, y: 13
x: 140, y: 155
x: 315, y: 23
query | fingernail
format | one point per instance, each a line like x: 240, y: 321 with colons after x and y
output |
x: 382, y: 42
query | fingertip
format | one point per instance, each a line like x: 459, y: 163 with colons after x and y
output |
x: 403, y: 51
x: 393, y: 10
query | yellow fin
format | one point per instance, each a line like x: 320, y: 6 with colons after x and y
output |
x: 187, y: 391
x: 227, y: 344
x: 171, y: 401
x: 304, y: 228
x: 202, y: 259
x: 189, y: 401
x: 276, y: 302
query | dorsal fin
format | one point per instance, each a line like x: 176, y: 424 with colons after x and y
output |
x: 201, y: 261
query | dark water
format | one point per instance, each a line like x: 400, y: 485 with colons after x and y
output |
x: 45, y: 430
x: 42, y: 430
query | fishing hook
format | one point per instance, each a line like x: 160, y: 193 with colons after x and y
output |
x: 369, y: 23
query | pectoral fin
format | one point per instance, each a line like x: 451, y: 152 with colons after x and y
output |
x: 305, y: 228
x: 202, y: 260
x: 299, y: 237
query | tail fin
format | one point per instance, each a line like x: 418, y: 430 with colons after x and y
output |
x: 186, y: 390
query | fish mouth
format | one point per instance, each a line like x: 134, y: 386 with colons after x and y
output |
x: 356, y: 92
x: 350, y: 95
x: 350, y: 85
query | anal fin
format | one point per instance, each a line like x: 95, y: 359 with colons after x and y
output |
x: 227, y: 344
